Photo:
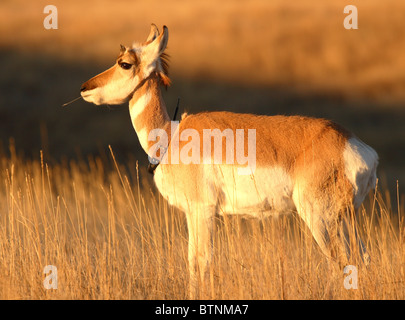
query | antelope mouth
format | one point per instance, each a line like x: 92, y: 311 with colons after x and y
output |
x: 89, y: 96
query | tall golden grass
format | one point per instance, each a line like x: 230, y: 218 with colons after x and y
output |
x: 112, y: 236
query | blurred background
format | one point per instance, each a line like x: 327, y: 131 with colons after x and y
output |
x: 266, y: 57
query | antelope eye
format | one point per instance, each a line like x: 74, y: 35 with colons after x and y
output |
x: 125, y: 66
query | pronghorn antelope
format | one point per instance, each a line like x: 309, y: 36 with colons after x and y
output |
x: 310, y: 166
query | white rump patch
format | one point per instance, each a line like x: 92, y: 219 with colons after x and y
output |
x: 360, y: 168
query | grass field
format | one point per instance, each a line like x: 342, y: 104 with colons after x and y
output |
x: 111, y: 236
x: 101, y: 221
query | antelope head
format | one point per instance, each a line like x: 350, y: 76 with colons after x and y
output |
x: 132, y: 67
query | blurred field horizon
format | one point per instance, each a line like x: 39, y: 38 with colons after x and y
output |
x: 256, y: 56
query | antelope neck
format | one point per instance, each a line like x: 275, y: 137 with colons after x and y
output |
x: 148, y: 111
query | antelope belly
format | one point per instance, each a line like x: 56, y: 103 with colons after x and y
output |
x: 267, y: 192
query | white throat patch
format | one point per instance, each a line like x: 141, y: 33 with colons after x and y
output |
x: 139, y: 106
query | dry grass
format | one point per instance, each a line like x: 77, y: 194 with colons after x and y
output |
x: 111, y: 236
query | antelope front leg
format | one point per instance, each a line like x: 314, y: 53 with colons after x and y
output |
x: 200, y: 248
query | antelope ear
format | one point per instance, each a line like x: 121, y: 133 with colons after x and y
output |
x: 161, y: 41
x: 152, y: 51
x: 153, y: 34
